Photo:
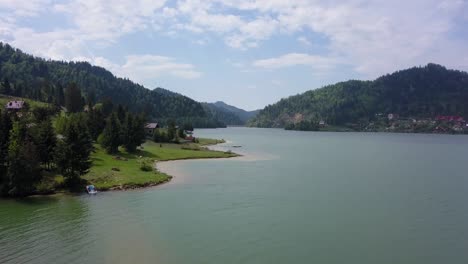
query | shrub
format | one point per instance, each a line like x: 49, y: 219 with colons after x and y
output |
x: 146, y: 165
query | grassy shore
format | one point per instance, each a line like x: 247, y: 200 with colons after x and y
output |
x: 123, y: 170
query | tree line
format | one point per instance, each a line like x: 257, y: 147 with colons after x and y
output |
x: 35, y: 142
x: 172, y: 134
x: 23, y: 75
x: 419, y: 92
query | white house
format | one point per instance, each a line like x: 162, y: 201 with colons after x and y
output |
x: 14, y: 105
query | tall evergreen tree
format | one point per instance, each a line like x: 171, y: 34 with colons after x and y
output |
x: 107, y: 107
x: 72, y: 155
x: 133, y: 132
x: 23, y: 169
x: 91, y: 98
x: 73, y: 98
x: 5, y: 127
x: 121, y: 113
x: 111, y: 137
x: 127, y: 133
x: 6, y: 87
x: 59, y: 95
x: 172, y: 130
x: 139, y: 133
x: 157, y: 137
x: 46, y: 140
x: 96, y: 122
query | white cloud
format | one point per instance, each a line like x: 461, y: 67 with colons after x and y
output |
x: 374, y: 37
x: 304, y: 41
x: 295, y: 59
x: 146, y: 68
x: 22, y: 8
x: 107, y: 20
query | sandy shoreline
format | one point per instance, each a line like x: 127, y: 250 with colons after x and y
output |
x: 173, y: 167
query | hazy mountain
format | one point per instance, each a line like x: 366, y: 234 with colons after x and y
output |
x: 229, y: 114
x: 243, y: 115
x: 223, y: 115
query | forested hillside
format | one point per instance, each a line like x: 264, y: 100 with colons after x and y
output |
x: 243, y: 115
x: 419, y: 92
x: 27, y: 76
x: 228, y: 114
x: 225, y: 116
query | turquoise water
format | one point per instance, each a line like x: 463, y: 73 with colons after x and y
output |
x: 294, y: 197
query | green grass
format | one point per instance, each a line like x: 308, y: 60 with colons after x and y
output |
x: 109, y: 172
x: 209, y: 141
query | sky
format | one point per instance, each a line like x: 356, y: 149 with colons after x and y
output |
x: 248, y: 53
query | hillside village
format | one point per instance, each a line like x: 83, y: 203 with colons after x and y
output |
x: 439, y: 124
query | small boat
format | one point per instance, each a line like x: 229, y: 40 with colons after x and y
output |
x: 91, y: 189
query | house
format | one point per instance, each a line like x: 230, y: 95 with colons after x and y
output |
x: 322, y: 123
x: 150, y: 127
x: 392, y: 116
x: 15, y: 105
x: 450, y: 118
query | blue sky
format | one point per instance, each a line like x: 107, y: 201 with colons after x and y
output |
x: 248, y: 53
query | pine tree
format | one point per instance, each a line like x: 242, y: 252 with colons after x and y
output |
x: 6, y: 87
x: 121, y: 113
x: 91, y: 98
x: 59, y: 95
x: 157, y: 136
x: 73, y: 99
x: 111, y: 135
x: 95, y: 122
x: 127, y: 133
x: 5, y: 127
x: 139, y: 134
x: 171, y: 130
x: 72, y: 155
x: 46, y: 140
x: 107, y: 107
x: 23, y: 170
x: 42, y: 113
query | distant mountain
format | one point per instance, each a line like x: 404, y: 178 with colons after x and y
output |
x: 242, y: 114
x: 24, y: 75
x: 223, y: 115
x: 229, y: 114
x: 419, y: 92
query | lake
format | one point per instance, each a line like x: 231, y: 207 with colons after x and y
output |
x: 294, y: 197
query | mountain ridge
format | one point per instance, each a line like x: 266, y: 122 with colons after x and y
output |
x: 229, y: 114
x: 420, y: 92
x: 26, y: 75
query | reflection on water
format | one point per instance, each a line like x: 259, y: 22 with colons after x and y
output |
x: 294, y: 197
x: 38, y: 226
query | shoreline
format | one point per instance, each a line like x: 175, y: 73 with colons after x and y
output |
x: 170, y: 177
x: 142, y: 185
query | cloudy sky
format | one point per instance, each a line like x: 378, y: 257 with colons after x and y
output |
x: 248, y: 53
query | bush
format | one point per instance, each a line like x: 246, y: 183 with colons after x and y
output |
x: 146, y: 165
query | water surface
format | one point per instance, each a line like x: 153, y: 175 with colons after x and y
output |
x: 295, y: 197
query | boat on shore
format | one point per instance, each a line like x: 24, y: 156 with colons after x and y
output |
x: 91, y: 189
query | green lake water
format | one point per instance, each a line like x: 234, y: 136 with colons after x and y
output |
x: 294, y: 197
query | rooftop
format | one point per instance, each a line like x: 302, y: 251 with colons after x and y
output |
x: 14, y: 105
